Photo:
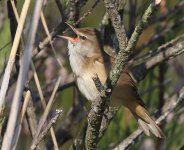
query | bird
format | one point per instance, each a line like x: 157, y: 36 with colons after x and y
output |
x: 88, y: 59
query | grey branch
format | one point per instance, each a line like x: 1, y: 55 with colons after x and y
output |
x: 46, y: 129
x: 123, y: 56
x: 171, y: 50
x: 98, y: 106
x: 45, y: 114
x: 117, y: 23
x: 33, y: 123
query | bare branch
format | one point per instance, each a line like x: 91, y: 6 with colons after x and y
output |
x: 19, y: 125
x: 117, y: 23
x: 175, y: 47
x: 32, y: 122
x: 49, y: 125
x: 98, y: 106
x: 123, y: 56
x: 45, y: 114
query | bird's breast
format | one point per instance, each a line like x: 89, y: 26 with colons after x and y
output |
x: 84, y: 72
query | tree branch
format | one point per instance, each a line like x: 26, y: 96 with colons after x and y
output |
x: 45, y: 114
x: 172, y: 49
x: 98, y: 106
x: 117, y: 23
x: 48, y: 127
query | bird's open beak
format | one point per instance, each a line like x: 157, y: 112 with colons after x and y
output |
x: 72, y: 39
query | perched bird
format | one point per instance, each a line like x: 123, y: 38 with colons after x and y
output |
x: 87, y: 59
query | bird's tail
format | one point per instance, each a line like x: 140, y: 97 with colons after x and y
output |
x: 147, y: 124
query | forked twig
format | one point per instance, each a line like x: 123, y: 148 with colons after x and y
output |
x: 45, y: 114
x: 49, y: 125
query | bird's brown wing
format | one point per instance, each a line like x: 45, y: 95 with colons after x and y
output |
x: 105, y: 60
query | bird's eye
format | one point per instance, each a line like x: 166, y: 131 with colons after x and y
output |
x: 83, y: 37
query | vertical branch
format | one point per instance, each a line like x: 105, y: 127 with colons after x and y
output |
x: 19, y: 125
x: 7, y: 141
x: 117, y: 23
x: 6, y: 78
x: 99, y: 104
x: 11, y: 4
x: 124, y: 54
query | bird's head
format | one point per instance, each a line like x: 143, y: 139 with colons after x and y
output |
x: 86, y: 41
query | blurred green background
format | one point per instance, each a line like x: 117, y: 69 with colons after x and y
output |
x: 123, y: 124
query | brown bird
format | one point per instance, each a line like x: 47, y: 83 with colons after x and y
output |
x: 87, y: 59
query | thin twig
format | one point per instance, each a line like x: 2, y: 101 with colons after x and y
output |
x: 32, y: 122
x: 19, y: 125
x: 4, y: 46
x: 43, y: 103
x: 49, y: 125
x: 117, y: 23
x: 47, y: 93
x: 45, y: 114
x: 164, y: 52
x: 48, y: 34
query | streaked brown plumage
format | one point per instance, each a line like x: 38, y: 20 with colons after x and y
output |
x: 87, y: 58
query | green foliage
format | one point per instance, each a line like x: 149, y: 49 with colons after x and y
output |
x: 4, y: 40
